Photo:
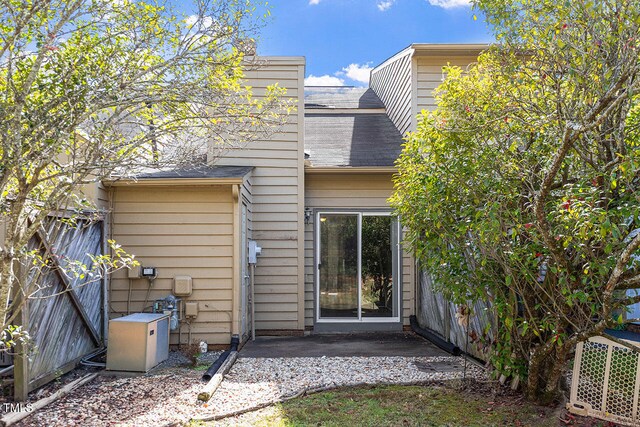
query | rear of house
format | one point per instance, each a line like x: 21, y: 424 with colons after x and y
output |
x: 313, y: 198
x: 197, y: 224
x: 358, y: 278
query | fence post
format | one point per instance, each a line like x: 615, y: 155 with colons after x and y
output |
x: 20, y: 359
x: 447, y: 320
x: 105, y: 282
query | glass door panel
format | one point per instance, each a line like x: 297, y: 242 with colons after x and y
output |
x: 377, y: 295
x: 338, y: 266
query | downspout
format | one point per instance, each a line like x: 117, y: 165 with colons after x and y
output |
x: 237, y: 280
x: 253, y: 306
x: 215, y: 374
x: 235, y: 341
x: 111, y: 216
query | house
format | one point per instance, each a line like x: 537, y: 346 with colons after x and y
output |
x: 313, y: 198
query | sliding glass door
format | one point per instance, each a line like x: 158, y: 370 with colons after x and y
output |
x: 357, y: 258
x: 338, y: 266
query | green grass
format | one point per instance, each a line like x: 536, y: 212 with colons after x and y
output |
x: 200, y: 367
x: 401, y: 406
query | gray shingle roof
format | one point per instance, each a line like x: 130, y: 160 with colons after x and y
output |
x: 199, y: 172
x: 356, y: 140
x: 340, y: 97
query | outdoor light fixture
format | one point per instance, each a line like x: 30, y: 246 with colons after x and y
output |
x: 307, y: 215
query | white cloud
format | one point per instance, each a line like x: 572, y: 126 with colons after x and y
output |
x: 325, y: 80
x: 355, y: 72
x: 191, y: 19
x: 314, y: 2
x: 449, y: 4
x: 358, y: 73
x: 385, y: 4
x: 205, y: 21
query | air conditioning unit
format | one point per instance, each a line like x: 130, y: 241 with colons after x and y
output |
x: 137, y: 342
x: 606, y: 381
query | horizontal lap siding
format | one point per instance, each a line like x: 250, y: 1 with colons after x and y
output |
x: 277, y: 185
x: 342, y: 191
x: 392, y: 84
x: 181, y: 231
x: 430, y: 76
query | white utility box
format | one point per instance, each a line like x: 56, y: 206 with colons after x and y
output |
x: 137, y: 342
x: 254, y: 252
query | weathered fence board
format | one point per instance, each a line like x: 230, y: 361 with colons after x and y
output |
x: 439, y: 315
x: 65, y: 311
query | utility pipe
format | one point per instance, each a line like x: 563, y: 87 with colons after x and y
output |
x: 235, y: 341
x: 252, y: 293
x: 431, y: 336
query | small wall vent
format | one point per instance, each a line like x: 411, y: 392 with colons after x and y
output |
x: 182, y: 286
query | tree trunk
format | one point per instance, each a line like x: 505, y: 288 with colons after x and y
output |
x: 546, y: 368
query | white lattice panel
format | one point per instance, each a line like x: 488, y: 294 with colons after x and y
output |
x: 606, y: 381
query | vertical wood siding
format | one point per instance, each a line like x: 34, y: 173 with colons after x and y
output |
x: 181, y: 231
x: 277, y: 187
x: 341, y: 191
x: 392, y: 84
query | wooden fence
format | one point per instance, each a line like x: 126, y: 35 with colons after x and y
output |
x: 437, y: 314
x: 66, y: 314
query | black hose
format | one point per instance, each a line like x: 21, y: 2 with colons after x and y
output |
x: 235, y: 341
x: 86, y: 360
x: 431, y: 336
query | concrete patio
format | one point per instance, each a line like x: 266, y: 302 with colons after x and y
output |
x: 403, y: 344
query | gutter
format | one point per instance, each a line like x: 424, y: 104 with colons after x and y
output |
x: 349, y: 169
x: 325, y: 111
x: 448, y: 49
x: 172, y: 181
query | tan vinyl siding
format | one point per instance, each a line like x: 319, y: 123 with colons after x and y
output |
x: 97, y: 194
x: 430, y: 76
x: 179, y: 230
x: 392, y: 83
x: 277, y: 186
x: 95, y: 191
x: 353, y: 191
x: 247, y: 197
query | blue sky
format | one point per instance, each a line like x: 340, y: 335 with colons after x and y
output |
x: 341, y: 39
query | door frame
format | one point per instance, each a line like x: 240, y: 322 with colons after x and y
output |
x: 360, y: 320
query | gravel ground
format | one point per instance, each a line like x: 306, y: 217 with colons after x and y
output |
x: 169, y: 393
x: 178, y: 359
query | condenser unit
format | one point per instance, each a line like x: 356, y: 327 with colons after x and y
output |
x: 137, y: 342
x: 606, y: 381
